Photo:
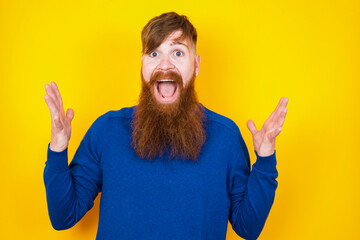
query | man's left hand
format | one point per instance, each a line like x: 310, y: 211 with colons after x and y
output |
x: 264, y: 139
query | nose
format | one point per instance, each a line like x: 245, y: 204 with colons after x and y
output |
x: 165, y: 64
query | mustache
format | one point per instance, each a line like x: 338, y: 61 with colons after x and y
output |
x: 166, y: 75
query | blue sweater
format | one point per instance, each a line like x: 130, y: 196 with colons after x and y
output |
x: 161, y: 199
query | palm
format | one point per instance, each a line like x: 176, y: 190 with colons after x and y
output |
x: 264, y: 139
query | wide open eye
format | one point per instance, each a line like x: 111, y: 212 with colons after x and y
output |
x: 178, y: 53
x: 153, y: 54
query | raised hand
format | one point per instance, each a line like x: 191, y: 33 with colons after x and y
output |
x: 60, y: 123
x: 264, y: 139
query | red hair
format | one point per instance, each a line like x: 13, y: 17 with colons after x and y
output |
x: 160, y: 27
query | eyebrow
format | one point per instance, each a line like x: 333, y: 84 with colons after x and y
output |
x: 171, y: 44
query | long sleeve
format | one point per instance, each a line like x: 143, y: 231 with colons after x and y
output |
x: 71, y: 190
x: 251, y: 193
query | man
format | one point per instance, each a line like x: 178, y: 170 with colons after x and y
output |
x: 168, y: 168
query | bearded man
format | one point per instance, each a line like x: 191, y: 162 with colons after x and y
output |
x: 168, y: 168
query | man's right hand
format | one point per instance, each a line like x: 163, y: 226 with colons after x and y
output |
x: 60, y: 123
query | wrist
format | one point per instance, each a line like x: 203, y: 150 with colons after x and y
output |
x: 265, y: 153
x: 266, y: 149
x: 58, y: 148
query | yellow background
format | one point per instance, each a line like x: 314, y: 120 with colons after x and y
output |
x: 253, y: 53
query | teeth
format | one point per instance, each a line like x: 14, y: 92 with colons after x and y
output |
x: 165, y: 80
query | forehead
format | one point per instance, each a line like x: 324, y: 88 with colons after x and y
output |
x: 174, y: 39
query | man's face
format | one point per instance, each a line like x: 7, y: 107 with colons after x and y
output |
x: 176, y: 57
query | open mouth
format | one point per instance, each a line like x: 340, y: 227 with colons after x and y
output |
x: 166, y: 90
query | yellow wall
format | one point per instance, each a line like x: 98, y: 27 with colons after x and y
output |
x: 253, y: 53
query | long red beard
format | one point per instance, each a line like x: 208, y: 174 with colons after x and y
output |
x: 177, y: 128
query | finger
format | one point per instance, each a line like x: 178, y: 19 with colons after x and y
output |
x: 58, y: 96
x: 57, y: 92
x: 275, y: 133
x: 251, y: 126
x: 70, y: 114
x: 57, y: 123
x: 281, y: 118
x: 51, y: 93
x: 277, y: 107
x: 57, y: 99
x: 280, y: 108
x: 51, y: 105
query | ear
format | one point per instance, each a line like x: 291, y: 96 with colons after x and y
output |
x: 197, y: 63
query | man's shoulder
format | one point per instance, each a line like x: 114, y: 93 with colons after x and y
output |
x: 221, y: 121
x: 125, y: 112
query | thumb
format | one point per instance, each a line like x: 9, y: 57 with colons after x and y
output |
x: 70, y: 114
x: 251, y: 126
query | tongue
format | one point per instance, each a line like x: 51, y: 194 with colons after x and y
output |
x: 167, y: 89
